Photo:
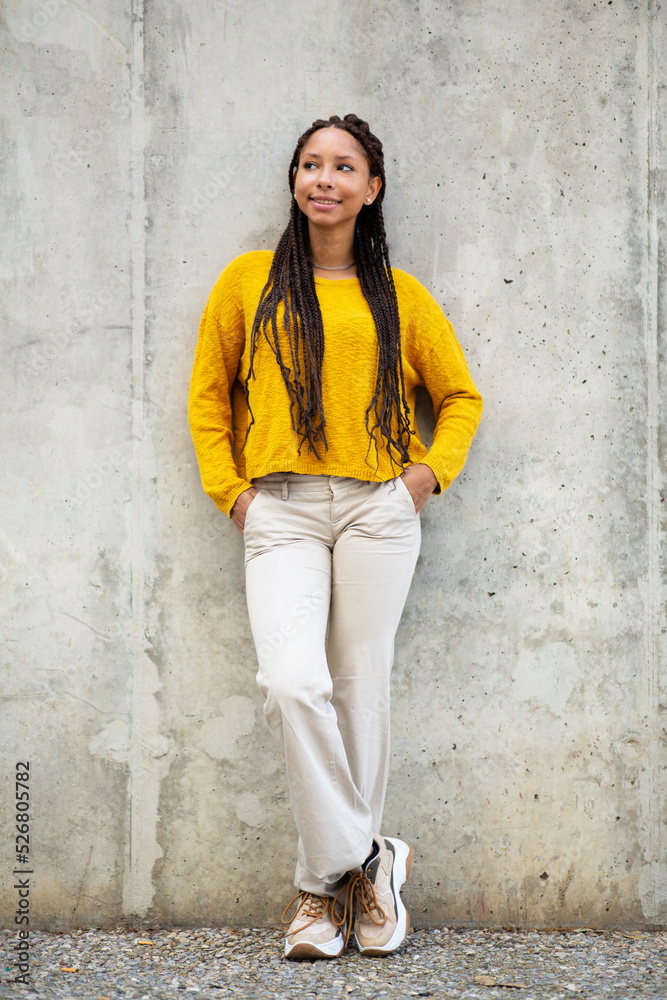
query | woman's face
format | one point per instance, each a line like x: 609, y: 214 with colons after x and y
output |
x: 332, y: 181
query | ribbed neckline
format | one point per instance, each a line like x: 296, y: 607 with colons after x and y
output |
x: 334, y: 281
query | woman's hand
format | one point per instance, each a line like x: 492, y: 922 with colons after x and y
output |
x: 420, y: 481
x: 240, y: 508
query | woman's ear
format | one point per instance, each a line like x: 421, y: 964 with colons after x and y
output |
x: 374, y: 185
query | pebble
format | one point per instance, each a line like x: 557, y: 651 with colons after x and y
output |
x: 436, y: 963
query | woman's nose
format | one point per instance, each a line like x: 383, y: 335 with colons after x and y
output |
x: 325, y: 178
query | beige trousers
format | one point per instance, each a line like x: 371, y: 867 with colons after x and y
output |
x: 329, y: 562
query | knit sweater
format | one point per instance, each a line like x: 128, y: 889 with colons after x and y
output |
x: 219, y: 415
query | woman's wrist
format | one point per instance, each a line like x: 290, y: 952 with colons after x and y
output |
x: 240, y: 508
x: 420, y: 481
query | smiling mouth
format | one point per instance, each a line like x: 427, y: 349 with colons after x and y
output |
x: 325, y: 201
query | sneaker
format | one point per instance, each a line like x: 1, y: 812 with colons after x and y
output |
x: 311, y: 932
x: 381, y: 921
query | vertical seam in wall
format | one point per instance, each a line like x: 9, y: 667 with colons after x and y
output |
x: 652, y: 624
x: 138, y: 259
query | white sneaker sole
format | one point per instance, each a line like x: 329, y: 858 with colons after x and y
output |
x: 399, y: 875
x: 310, y: 949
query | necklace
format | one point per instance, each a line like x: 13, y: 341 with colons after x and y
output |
x: 339, y: 267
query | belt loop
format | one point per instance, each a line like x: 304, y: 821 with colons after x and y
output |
x: 284, y: 493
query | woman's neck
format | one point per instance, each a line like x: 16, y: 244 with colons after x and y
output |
x: 332, y: 249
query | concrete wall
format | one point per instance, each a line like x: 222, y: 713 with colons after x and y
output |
x: 144, y: 146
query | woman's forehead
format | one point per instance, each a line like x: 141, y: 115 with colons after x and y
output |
x: 333, y: 142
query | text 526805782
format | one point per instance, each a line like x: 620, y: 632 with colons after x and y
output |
x: 22, y: 871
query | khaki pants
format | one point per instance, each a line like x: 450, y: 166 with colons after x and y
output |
x: 329, y: 562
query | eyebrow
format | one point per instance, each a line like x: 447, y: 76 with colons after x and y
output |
x: 316, y: 156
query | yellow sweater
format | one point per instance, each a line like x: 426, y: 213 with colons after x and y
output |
x: 218, y: 413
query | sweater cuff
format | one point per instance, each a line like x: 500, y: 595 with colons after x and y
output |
x: 225, y: 499
x: 438, y: 470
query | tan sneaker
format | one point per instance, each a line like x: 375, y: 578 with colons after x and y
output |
x: 311, y: 932
x: 381, y: 921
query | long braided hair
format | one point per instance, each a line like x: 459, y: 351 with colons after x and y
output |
x: 291, y: 283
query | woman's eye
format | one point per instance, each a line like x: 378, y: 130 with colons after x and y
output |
x: 309, y: 165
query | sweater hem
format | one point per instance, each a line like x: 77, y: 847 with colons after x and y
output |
x: 362, y: 472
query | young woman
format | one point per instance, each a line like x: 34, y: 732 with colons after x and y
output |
x: 302, y: 415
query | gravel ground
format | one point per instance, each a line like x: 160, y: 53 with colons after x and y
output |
x: 441, y: 964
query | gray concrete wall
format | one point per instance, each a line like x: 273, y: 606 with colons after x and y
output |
x: 144, y: 145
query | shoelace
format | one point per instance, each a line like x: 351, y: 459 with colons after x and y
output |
x: 342, y: 914
x: 310, y: 905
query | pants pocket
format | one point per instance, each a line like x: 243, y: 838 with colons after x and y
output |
x: 404, y: 493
